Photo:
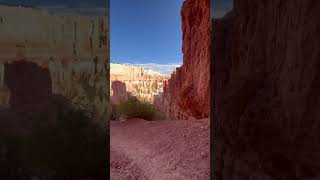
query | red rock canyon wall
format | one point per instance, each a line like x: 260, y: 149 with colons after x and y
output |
x: 187, y: 93
x: 266, y: 91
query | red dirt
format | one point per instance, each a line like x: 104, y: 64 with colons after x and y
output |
x: 160, y: 150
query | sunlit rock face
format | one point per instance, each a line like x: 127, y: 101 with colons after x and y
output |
x: 72, y: 48
x: 141, y: 83
x: 187, y: 93
x: 266, y: 78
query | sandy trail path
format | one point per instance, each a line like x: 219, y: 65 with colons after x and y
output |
x: 160, y: 150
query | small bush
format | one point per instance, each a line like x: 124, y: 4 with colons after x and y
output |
x: 134, y: 108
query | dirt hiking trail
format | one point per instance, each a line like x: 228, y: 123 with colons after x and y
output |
x: 160, y: 150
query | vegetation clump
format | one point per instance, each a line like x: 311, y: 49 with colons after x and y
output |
x: 135, y: 108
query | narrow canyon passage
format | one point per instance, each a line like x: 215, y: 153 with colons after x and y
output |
x: 177, y: 148
x: 154, y: 150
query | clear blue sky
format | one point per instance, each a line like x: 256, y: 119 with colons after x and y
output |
x: 145, y: 31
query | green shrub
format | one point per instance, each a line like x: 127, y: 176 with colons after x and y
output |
x: 134, y: 108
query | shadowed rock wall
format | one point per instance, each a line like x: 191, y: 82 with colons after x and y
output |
x: 266, y: 78
x: 23, y: 91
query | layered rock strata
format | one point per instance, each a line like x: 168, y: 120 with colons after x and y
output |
x: 141, y: 83
x: 72, y: 48
x: 187, y: 93
x: 266, y: 82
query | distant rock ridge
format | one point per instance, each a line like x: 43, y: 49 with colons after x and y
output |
x: 165, y: 69
x: 141, y: 83
x: 186, y: 95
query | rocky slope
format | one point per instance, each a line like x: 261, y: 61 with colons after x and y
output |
x: 187, y: 93
x: 141, y: 83
x: 266, y: 78
x: 160, y: 150
x: 71, y: 48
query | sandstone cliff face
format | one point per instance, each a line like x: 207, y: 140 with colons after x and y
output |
x: 266, y: 78
x: 141, y: 83
x: 187, y: 93
x: 72, y: 48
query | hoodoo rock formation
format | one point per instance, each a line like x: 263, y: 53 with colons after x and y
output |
x: 24, y: 92
x: 266, y: 91
x: 118, y: 92
x: 73, y: 48
x: 21, y: 98
x: 139, y: 82
x: 187, y: 93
